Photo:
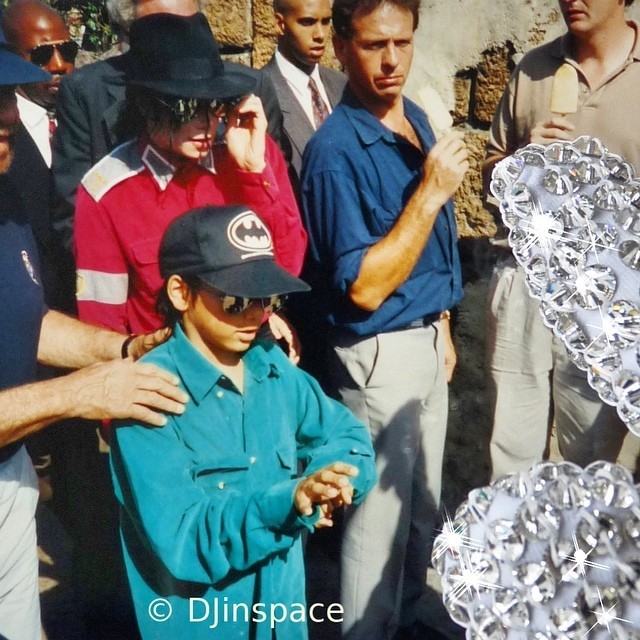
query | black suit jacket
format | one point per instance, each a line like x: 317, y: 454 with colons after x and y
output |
x: 89, y: 104
x: 296, y: 125
x: 33, y: 183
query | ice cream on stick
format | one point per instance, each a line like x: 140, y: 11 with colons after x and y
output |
x: 564, y: 92
x: 439, y: 117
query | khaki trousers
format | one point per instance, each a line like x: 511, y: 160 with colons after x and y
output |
x: 395, y: 383
x: 535, y: 383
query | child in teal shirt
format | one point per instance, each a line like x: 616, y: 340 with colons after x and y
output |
x: 213, y: 504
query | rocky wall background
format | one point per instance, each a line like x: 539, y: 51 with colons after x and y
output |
x: 465, y: 51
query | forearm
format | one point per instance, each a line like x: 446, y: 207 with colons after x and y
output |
x: 199, y: 531
x: 68, y: 343
x: 388, y: 263
x: 493, y: 157
x: 270, y: 195
x: 31, y: 407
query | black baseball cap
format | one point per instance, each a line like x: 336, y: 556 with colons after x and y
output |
x: 228, y: 248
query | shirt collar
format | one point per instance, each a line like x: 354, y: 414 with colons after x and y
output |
x: 31, y: 113
x: 162, y: 170
x: 369, y: 129
x: 199, y: 376
x: 297, y: 77
x: 565, y: 52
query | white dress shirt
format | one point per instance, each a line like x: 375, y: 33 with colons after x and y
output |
x: 36, y: 122
x: 298, y: 80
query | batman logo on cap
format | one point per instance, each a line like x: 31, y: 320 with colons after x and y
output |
x: 249, y: 234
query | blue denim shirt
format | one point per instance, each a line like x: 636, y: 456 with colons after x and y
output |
x: 208, y: 499
x: 357, y: 177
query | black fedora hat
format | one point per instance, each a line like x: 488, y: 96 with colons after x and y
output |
x: 178, y: 55
x: 16, y: 70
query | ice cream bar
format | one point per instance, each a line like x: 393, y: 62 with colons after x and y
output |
x: 439, y: 117
x: 564, y: 92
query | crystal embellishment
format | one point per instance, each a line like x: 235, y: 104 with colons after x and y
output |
x: 573, y: 211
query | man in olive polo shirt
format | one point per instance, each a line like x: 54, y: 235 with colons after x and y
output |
x: 534, y: 380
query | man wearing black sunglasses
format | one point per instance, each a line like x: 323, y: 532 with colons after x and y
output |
x: 39, y: 35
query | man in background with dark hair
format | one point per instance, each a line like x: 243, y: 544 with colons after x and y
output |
x: 307, y: 91
x: 377, y: 190
x: 534, y: 380
x: 38, y: 33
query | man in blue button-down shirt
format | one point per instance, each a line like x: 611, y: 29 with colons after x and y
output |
x: 376, y: 192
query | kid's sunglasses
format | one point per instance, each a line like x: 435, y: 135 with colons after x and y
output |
x: 235, y: 305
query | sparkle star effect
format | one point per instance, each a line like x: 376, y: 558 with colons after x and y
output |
x: 539, y: 581
x: 452, y: 539
x: 605, y: 617
x: 470, y: 580
x: 580, y: 561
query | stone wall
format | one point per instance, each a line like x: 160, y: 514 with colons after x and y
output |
x: 465, y: 50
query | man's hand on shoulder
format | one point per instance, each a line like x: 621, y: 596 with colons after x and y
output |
x: 139, y: 345
x: 124, y: 389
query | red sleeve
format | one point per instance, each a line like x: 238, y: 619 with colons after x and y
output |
x: 102, y: 287
x: 270, y: 195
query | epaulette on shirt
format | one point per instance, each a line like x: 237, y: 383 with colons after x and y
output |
x: 122, y: 163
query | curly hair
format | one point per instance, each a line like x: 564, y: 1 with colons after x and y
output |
x: 144, y: 112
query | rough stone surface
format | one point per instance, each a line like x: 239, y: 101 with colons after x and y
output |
x: 264, y: 41
x: 466, y: 463
x: 242, y: 58
x: 462, y: 86
x: 231, y: 22
x: 473, y: 220
x: 493, y: 74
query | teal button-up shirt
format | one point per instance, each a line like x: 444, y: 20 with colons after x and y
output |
x: 208, y: 521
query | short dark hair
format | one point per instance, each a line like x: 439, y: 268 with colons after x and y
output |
x: 343, y: 12
x: 164, y: 306
x: 628, y: 3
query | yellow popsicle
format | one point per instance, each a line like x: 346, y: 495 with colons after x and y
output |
x: 564, y: 92
x: 439, y: 117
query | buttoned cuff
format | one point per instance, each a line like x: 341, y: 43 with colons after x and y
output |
x: 257, y: 186
x: 278, y: 510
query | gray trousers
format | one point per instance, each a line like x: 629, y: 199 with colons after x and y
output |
x: 534, y: 383
x: 395, y: 383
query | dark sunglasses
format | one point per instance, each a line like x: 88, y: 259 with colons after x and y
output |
x: 235, y: 305
x: 42, y: 54
x: 184, y: 110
